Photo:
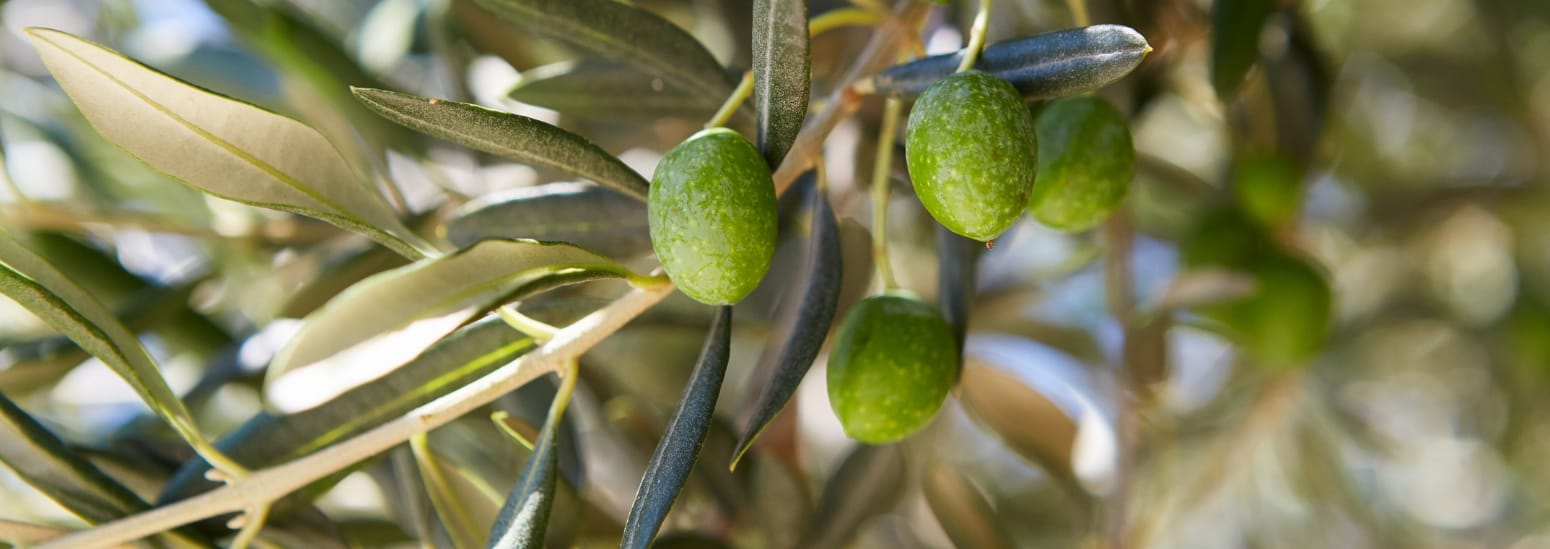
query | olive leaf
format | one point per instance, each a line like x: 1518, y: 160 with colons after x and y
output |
x: 679, y: 448
x: 268, y: 438
x: 867, y: 484
x: 955, y: 260
x: 508, y: 135
x: 803, y: 324
x: 338, y: 274
x: 1042, y: 66
x: 609, y: 91
x: 1235, y: 29
x: 524, y: 518
x: 219, y: 145
x: 965, y: 515
x: 621, y: 31
x: 54, y: 297
x: 781, y: 76
x: 348, y: 337
x: 589, y: 217
x: 41, y: 459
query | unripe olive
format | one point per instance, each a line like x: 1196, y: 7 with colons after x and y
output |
x: 891, y: 367
x: 971, y: 149
x: 1286, y: 320
x: 1086, y: 162
x: 711, y: 209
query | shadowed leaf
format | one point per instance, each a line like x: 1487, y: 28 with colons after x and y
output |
x: 781, y: 76
x: 596, y: 219
x: 962, y: 510
x: 679, y: 448
x: 609, y: 91
x: 508, y: 135
x: 525, y: 516
x: 867, y: 484
x: 803, y: 325
x: 1041, y: 66
x: 1235, y: 28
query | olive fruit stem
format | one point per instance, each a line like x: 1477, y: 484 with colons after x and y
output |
x: 971, y: 54
x: 844, y: 17
x: 529, y: 326
x: 881, y: 171
x: 740, y: 94
x: 1079, y: 15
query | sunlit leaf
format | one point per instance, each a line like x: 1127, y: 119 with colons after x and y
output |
x: 222, y: 146
x: 609, y: 91
x: 962, y: 510
x: 621, y: 31
x: 803, y: 323
x: 867, y: 484
x: 781, y: 75
x: 348, y: 339
x: 509, y: 135
x: 1041, y: 66
x: 269, y: 438
x: 679, y: 448
x: 593, y: 218
x: 54, y: 297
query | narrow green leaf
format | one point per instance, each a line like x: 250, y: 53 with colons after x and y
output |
x: 508, y: 135
x: 268, y: 439
x: 621, y: 31
x: 219, y: 145
x: 590, y: 217
x: 339, y: 273
x: 955, y: 268
x: 781, y: 76
x: 803, y: 325
x: 962, y: 510
x: 1042, y: 66
x: 867, y: 484
x: 420, y: 303
x: 43, y: 461
x: 1235, y: 29
x: 438, y: 478
x: 525, y: 516
x: 609, y: 91
x: 54, y: 297
x: 679, y: 448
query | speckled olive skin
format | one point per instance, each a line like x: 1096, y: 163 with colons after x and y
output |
x: 1086, y: 162
x: 891, y: 367
x: 711, y: 209
x: 971, y: 152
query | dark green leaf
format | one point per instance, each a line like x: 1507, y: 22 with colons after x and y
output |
x: 1042, y: 66
x: 962, y: 510
x: 803, y: 324
x: 679, y: 448
x: 596, y: 219
x: 617, y: 30
x: 609, y: 91
x: 867, y: 484
x: 268, y: 439
x: 508, y: 135
x: 955, y: 262
x: 525, y: 516
x: 1235, y: 27
x: 781, y: 76
x: 530, y: 404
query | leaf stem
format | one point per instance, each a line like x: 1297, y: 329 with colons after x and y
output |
x: 882, y: 170
x: 971, y: 54
x: 740, y: 94
x: 844, y: 17
x: 1079, y: 15
x: 538, y: 330
x: 449, y: 508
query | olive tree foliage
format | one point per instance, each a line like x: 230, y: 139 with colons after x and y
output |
x: 780, y: 273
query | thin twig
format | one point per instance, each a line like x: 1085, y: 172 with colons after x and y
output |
x: 971, y: 54
x: 1117, y: 282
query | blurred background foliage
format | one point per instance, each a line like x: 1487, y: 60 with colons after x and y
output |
x: 1400, y: 146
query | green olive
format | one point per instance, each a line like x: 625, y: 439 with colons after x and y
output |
x: 711, y: 209
x: 1268, y: 188
x: 1086, y: 162
x: 1286, y: 320
x: 891, y: 367
x: 971, y: 151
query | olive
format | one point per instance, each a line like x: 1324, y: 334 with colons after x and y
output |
x: 891, y: 367
x: 711, y: 210
x: 1086, y: 161
x: 971, y: 152
x: 1286, y: 320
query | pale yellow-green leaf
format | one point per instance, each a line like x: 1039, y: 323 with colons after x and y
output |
x: 219, y: 145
